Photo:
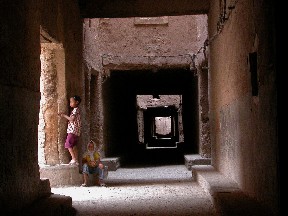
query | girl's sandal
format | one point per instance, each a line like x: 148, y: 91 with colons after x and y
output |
x: 103, y: 185
x: 73, y: 162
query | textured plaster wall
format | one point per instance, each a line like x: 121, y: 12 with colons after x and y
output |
x: 244, y: 138
x: 108, y: 38
x: 178, y: 37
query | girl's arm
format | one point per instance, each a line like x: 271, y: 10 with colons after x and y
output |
x: 72, y: 118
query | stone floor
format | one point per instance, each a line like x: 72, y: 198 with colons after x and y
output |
x: 163, y: 190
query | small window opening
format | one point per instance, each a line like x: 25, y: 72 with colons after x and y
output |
x: 254, y: 73
x: 155, y: 96
x: 163, y: 127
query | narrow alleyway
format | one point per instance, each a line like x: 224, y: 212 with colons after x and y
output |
x: 162, y: 190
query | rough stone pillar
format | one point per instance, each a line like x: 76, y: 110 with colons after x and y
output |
x: 95, y: 116
x: 99, y: 117
x: 204, y: 128
x: 51, y: 129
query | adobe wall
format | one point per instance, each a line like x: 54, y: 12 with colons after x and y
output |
x: 123, y: 43
x: 244, y: 135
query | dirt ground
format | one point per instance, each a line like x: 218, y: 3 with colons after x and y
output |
x: 147, y: 191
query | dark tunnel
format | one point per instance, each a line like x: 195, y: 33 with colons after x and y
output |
x: 120, y: 114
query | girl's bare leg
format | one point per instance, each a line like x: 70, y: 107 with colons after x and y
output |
x: 85, y: 178
x: 75, y: 151
x: 71, y: 151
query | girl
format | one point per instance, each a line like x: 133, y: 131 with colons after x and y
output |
x: 73, y: 129
x: 92, y: 165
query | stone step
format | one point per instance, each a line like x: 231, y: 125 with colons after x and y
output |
x: 195, y: 159
x: 61, y: 175
x: 226, y: 196
x: 54, y: 204
x: 113, y: 163
x: 70, y: 175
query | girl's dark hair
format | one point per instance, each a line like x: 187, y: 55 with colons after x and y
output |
x: 77, y: 98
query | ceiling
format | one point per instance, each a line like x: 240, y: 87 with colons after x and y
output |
x: 141, y: 8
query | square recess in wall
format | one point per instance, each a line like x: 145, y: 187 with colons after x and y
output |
x: 151, y: 20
